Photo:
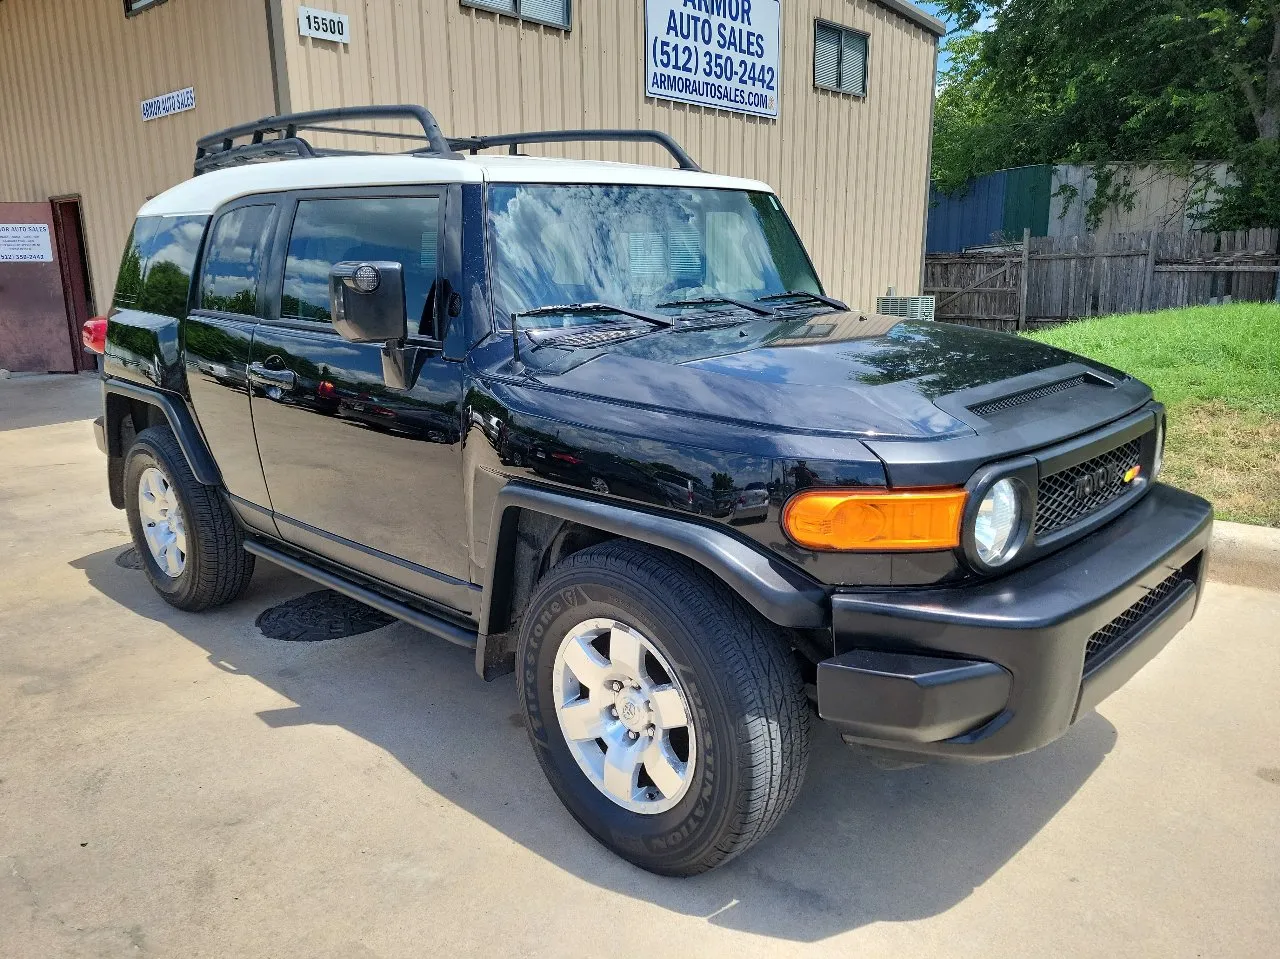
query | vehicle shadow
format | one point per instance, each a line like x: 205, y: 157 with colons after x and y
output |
x: 47, y: 399
x: 861, y: 845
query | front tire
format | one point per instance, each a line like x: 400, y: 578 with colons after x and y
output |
x: 667, y: 715
x: 189, y: 544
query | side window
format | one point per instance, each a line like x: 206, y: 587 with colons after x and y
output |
x: 132, y: 263
x: 405, y: 230
x: 232, y: 265
x: 171, y: 257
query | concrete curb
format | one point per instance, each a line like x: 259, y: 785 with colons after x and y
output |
x: 1245, y: 555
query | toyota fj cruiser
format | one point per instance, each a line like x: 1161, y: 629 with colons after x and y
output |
x: 601, y: 423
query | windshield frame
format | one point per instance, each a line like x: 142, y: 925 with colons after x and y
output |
x: 501, y: 322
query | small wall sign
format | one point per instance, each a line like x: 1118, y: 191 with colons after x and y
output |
x: 323, y: 25
x: 167, y: 104
x: 25, y: 243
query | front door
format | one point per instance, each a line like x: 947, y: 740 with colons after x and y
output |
x: 363, y: 474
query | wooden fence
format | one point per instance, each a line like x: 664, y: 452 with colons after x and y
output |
x: 1048, y: 280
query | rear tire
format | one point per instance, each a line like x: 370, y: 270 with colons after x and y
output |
x: 187, y: 539
x: 728, y: 778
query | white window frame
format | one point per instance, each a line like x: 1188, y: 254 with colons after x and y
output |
x: 492, y: 6
x: 866, y: 58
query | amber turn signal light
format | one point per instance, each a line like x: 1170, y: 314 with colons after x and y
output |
x: 875, y: 519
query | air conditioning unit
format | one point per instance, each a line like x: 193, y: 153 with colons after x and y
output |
x: 908, y: 307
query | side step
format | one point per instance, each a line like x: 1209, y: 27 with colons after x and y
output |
x: 425, y: 621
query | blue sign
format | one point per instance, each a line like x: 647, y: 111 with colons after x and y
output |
x: 715, y: 53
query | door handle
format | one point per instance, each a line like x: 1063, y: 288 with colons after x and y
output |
x: 266, y: 376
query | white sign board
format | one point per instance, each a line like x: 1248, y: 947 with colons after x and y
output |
x: 715, y: 53
x: 25, y: 243
x: 323, y: 25
x: 167, y: 104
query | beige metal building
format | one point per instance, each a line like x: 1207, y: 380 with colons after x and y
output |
x: 101, y: 102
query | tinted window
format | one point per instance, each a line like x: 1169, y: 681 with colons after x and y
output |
x: 155, y: 271
x: 171, y: 256
x: 129, y: 280
x: 229, y: 281
x: 405, y: 230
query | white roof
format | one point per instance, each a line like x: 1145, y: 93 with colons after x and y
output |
x: 205, y: 193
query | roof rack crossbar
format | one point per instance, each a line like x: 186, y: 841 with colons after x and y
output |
x: 514, y: 140
x: 209, y: 147
x: 251, y: 151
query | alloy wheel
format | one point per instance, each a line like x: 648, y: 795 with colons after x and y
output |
x: 163, y: 525
x: 624, y: 716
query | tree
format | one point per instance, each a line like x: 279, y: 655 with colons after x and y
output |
x: 1171, y: 83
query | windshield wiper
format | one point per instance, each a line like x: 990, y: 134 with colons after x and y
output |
x: 830, y: 301
x: 653, y: 318
x: 747, y: 305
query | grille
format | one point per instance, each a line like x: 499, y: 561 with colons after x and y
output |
x: 1123, y: 625
x: 1017, y: 399
x: 1073, y: 493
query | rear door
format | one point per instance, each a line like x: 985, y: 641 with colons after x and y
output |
x: 218, y: 334
x: 363, y: 474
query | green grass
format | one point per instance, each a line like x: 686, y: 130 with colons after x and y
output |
x: 1217, y: 369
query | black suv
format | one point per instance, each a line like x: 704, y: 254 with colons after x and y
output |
x: 601, y: 424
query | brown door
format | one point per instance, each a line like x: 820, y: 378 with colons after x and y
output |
x: 77, y: 287
x: 34, y: 328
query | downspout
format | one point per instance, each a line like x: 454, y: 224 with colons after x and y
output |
x: 928, y: 167
x: 279, y: 67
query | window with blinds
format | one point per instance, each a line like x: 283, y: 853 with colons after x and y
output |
x: 553, y: 13
x: 839, y: 59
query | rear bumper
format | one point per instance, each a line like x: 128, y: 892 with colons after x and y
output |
x: 1004, y: 667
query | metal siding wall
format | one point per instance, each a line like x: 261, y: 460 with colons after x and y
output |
x: 1026, y: 201
x: 1162, y: 201
x: 72, y: 76
x: 975, y: 219
x: 851, y: 172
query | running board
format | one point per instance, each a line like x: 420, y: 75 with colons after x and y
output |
x: 425, y: 621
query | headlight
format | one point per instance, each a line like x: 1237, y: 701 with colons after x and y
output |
x: 997, y: 523
x: 1159, y: 460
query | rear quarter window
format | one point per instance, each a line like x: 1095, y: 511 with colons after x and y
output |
x: 159, y: 257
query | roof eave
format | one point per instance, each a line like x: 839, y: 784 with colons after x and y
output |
x: 917, y: 16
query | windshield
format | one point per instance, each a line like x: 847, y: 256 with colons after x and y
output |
x: 637, y: 246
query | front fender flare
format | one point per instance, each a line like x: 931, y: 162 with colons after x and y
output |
x: 778, y: 592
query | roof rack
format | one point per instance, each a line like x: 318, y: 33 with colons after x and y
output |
x: 220, y: 149
x: 514, y: 140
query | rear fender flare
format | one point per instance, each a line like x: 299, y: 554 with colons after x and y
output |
x: 177, y: 415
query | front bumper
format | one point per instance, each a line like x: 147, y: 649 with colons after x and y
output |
x: 1006, y: 666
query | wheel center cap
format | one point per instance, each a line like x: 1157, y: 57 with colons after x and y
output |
x: 632, y: 710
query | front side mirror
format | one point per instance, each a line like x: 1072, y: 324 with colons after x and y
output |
x: 366, y: 301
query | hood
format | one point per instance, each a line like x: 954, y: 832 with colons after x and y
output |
x: 844, y: 373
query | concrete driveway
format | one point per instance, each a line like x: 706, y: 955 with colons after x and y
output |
x: 180, y: 785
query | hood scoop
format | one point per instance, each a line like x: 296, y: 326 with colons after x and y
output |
x: 991, y: 407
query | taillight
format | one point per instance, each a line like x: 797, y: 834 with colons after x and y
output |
x: 94, y: 334
x: 326, y: 390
